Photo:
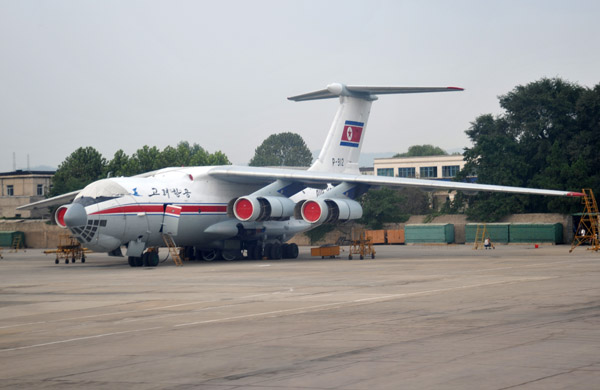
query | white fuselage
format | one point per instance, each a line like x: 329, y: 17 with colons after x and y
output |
x: 137, y: 212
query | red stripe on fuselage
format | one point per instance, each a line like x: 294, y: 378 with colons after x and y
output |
x: 159, y: 209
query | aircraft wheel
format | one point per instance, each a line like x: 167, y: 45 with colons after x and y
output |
x: 372, y: 255
x: 362, y: 257
x: 83, y: 258
x: 257, y: 252
x: 130, y: 261
x: 151, y: 259
x: 276, y: 252
x: 66, y: 261
x: 349, y: 257
x: 229, y: 255
x: 293, y: 251
x: 210, y: 255
x: 56, y: 261
x: 267, y: 251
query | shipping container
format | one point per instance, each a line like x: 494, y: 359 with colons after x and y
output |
x: 376, y: 236
x: 429, y: 233
x: 497, y: 232
x: 8, y: 237
x: 536, y: 232
x: 395, y: 236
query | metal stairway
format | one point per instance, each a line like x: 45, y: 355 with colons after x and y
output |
x: 587, y: 230
x: 173, y: 250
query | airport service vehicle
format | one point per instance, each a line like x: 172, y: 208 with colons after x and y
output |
x: 230, y: 211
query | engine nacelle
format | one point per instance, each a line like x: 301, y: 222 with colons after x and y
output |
x: 262, y: 208
x: 59, y: 216
x: 330, y: 210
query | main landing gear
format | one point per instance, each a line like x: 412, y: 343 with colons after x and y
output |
x: 148, y: 259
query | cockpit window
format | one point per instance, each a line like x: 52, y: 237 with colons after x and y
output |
x: 100, y: 191
x: 88, y: 201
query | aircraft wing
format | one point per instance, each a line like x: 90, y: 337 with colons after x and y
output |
x: 257, y: 175
x: 54, y: 201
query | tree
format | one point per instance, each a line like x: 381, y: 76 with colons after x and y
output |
x: 83, y: 166
x: 119, y: 165
x: 283, y: 149
x: 544, y: 139
x: 423, y: 150
x: 382, y: 206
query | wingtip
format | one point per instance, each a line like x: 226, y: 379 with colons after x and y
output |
x: 575, y: 194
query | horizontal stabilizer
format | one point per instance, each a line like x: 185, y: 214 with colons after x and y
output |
x: 366, y: 92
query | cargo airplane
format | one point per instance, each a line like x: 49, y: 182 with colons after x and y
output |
x: 231, y: 211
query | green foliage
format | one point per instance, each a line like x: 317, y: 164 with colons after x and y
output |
x: 423, y: 150
x: 315, y: 235
x: 547, y: 138
x: 382, y: 206
x: 82, y: 167
x: 283, y: 149
x: 87, y: 165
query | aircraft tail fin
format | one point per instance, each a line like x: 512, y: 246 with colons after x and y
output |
x: 342, y: 147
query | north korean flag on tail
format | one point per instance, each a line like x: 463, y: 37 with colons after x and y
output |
x: 351, y: 134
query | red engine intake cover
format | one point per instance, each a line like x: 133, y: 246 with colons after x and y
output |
x: 311, y: 211
x: 60, y: 216
x: 243, y: 209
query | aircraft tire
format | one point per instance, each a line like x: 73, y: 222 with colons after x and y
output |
x: 267, y: 251
x: 152, y: 259
x: 276, y: 252
x: 229, y: 255
x: 210, y: 255
x: 257, y: 252
x: 293, y: 251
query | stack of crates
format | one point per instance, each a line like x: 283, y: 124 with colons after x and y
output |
x: 8, y: 238
x: 429, y: 233
x: 536, y: 232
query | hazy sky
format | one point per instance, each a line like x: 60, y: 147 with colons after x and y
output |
x: 124, y: 74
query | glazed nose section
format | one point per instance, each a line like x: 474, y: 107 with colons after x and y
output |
x: 75, y: 215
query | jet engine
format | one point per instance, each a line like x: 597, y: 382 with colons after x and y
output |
x: 319, y: 211
x: 59, y: 216
x: 262, y: 208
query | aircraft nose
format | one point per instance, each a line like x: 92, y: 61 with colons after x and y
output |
x: 75, y: 215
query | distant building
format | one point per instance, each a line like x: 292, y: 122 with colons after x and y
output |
x: 366, y: 171
x: 425, y: 167
x: 22, y: 187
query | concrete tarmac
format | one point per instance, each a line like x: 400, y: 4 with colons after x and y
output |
x: 416, y: 317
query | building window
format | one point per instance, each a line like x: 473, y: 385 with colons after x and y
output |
x: 430, y: 172
x: 10, y: 191
x: 40, y: 189
x: 450, y: 170
x: 385, y: 172
x: 406, y: 172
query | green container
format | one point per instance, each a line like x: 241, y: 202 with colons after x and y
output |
x: 498, y: 232
x: 7, y: 238
x: 429, y: 233
x: 536, y: 232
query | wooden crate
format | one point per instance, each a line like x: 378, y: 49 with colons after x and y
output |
x: 395, y: 236
x: 376, y: 236
x: 330, y: 251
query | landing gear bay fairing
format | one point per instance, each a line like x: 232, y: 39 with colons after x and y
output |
x: 228, y: 211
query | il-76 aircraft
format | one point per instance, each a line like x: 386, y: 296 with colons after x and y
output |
x: 227, y: 211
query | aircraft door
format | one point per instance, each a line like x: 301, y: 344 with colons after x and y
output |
x: 171, y: 216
